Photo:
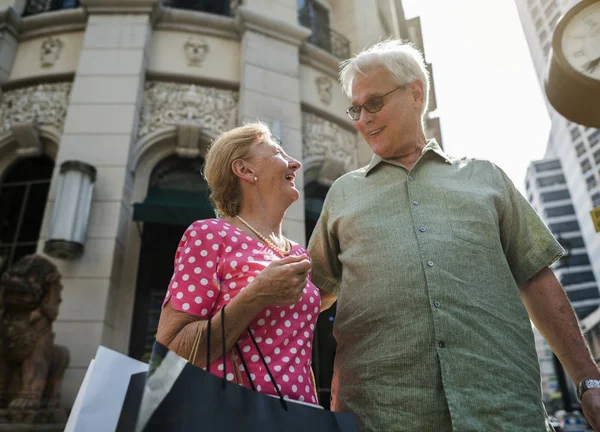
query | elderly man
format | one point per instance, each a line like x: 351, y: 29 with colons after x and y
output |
x: 437, y: 264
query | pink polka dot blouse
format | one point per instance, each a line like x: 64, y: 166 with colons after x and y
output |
x: 214, y: 262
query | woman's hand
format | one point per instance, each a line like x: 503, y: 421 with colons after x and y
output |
x: 282, y: 282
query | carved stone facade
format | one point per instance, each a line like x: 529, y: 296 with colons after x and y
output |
x: 324, y: 88
x: 44, y: 105
x: 325, y: 139
x: 171, y: 104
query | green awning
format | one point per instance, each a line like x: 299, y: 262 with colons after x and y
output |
x: 173, y: 207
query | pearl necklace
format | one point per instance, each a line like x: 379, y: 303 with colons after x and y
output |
x: 284, y: 252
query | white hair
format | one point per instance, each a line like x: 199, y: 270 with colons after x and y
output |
x: 401, y: 59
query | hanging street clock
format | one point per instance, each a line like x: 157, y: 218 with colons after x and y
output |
x: 573, y: 80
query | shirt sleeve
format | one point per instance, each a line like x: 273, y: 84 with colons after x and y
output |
x: 528, y: 244
x: 194, y: 287
x: 324, y: 250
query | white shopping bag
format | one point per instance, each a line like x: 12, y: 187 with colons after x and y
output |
x: 102, y: 392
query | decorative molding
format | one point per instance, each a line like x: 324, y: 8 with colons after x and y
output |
x: 324, y: 62
x: 27, y: 136
x: 196, y: 22
x: 195, y: 50
x: 329, y: 142
x: 43, y: 104
x: 51, y: 23
x: 50, y: 51
x: 120, y: 6
x: 9, y: 20
x: 171, y: 104
x: 248, y: 19
x: 188, y: 139
x: 324, y: 88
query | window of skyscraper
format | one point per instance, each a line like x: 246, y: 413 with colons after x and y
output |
x: 555, y: 195
x: 580, y: 149
x: 577, y: 278
x: 586, y: 165
x: 575, y: 133
x: 551, y: 180
x: 560, y: 211
x: 531, y: 3
x: 597, y: 156
x: 562, y: 227
x: 579, y: 260
x: 584, y: 294
x: 539, y: 23
x: 576, y: 242
x: 551, y: 8
x: 591, y: 182
x: 594, y: 138
x: 547, y: 166
x: 554, y: 20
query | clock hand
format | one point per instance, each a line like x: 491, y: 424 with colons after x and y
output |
x: 592, y: 65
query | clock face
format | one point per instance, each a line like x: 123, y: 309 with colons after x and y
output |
x: 581, y: 41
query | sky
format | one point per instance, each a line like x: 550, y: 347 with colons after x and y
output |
x: 490, y: 102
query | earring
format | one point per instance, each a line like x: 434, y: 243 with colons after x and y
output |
x: 255, y: 178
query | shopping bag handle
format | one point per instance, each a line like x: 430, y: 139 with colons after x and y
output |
x: 223, y: 352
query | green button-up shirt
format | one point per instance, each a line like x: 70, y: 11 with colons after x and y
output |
x: 432, y: 333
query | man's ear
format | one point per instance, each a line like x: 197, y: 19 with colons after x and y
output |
x: 243, y: 170
x: 418, y: 92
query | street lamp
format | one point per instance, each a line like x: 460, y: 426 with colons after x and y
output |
x: 71, y: 211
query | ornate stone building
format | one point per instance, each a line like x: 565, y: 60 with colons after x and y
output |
x: 135, y: 90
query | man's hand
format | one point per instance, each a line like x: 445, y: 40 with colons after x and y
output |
x: 590, y: 404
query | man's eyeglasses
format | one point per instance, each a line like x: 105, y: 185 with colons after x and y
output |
x: 372, y: 105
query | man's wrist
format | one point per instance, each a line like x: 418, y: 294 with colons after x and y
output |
x: 585, y: 385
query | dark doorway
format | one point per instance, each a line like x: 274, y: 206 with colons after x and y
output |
x: 324, y: 344
x: 177, y: 196
x: 159, y: 244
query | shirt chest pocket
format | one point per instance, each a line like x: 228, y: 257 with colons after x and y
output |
x: 472, y: 218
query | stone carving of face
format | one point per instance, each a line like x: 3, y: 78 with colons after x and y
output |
x: 50, y: 51
x: 324, y: 87
x: 195, y: 51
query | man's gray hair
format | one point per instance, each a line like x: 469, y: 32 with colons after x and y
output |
x: 401, y: 59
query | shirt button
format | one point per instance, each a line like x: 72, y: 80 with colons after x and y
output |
x: 430, y: 263
x: 437, y: 304
x: 441, y: 344
x: 410, y: 178
x: 416, y: 202
x: 422, y: 229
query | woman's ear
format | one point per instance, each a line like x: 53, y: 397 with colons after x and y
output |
x: 243, y: 170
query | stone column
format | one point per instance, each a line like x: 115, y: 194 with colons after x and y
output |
x: 100, y: 129
x: 270, y: 85
x: 9, y: 23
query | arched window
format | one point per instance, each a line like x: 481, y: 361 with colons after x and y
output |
x: 23, y: 195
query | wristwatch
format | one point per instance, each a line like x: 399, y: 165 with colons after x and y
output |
x: 585, y: 385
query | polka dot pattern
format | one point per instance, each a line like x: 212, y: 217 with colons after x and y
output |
x: 213, y: 263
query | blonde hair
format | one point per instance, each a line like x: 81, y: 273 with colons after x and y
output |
x: 401, y: 59
x: 225, y: 190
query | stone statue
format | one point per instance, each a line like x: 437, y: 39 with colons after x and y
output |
x: 31, y: 366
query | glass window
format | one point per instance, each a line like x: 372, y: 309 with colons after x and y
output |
x: 23, y: 195
x: 586, y: 165
x: 591, y: 182
x: 551, y: 180
x: 560, y: 211
x: 582, y: 294
x: 554, y: 20
x: 580, y: 149
x: 577, y: 278
x: 594, y: 138
x: 547, y: 166
x: 575, y: 133
x: 555, y: 196
x: 562, y: 227
x: 539, y: 23
x: 596, y: 199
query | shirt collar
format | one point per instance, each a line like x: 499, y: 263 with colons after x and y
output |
x: 432, y: 145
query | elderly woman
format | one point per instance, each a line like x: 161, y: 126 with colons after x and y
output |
x: 242, y: 260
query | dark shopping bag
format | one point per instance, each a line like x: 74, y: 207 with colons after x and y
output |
x: 177, y: 396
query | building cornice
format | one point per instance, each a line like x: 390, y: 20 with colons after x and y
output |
x: 9, y: 20
x: 311, y: 55
x: 196, y: 22
x: 120, y: 6
x: 248, y: 19
x: 49, y: 23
